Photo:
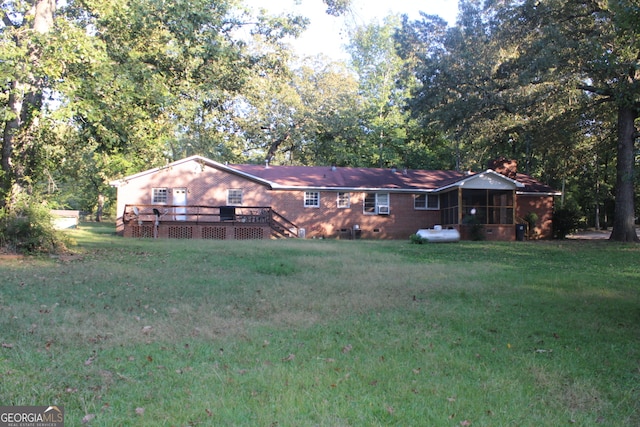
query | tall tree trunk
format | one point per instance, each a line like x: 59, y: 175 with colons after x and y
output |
x: 100, y: 207
x: 624, y: 219
x: 11, y: 127
x: 25, y: 98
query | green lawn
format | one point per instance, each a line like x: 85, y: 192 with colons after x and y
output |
x: 324, y: 333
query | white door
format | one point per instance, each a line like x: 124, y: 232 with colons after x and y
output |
x: 180, y: 199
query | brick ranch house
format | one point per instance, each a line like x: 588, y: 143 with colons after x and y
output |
x: 199, y: 198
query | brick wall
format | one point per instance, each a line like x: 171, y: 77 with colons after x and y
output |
x: 205, y: 186
x: 208, y: 186
x: 543, y: 207
x: 332, y: 222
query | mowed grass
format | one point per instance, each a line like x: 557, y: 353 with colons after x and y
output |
x: 324, y: 333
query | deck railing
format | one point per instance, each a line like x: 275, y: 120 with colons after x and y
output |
x: 159, y: 215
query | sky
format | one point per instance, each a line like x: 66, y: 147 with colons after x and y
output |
x: 327, y: 34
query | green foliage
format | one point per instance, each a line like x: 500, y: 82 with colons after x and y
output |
x: 417, y: 240
x: 337, y: 7
x: 538, y: 82
x: 112, y: 88
x: 475, y: 226
x: 389, y: 135
x: 565, y: 221
x: 531, y: 219
x: 28, y: 228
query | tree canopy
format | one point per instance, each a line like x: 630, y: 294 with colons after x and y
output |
x: 96, y: 89
x: 535, y: 81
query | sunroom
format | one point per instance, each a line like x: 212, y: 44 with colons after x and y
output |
x: 481, y: 203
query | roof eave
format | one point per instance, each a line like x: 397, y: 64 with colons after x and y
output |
x: 349, y: 189
x: 539, y: 193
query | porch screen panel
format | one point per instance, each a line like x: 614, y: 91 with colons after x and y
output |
x: 474, y: 206
x: 449, y: 208
x: 488, y: 206
x: 500, y: 207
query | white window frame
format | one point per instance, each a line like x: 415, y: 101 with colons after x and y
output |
x: 233, y: 195
x: 382, y: 204
x: 311, y: 199
x: 428, y: 202
x: 159, y: 196
x: 343, y: 200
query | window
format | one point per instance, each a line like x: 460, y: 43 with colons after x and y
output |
x: 311, y: 199
x: 370, y: 203
x: 234, y: 196
x: 344, y: 200
x: 426, y: 201
x: 159, y: 196
x: 376, y: 203
x: 382, y: 202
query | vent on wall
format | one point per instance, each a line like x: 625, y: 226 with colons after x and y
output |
x: 383, y: 210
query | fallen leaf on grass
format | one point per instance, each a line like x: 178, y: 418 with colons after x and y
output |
x: 147, y: 330
x: 88, y: 418
x: 465, y: 423
x: 139, y: 411
x: 289, y: 358
x: 347, y: 348
x: 6, y: 345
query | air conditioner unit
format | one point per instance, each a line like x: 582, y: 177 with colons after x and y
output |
x: 383, y: 210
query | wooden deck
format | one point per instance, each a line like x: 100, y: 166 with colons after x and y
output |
x: 205, y: 222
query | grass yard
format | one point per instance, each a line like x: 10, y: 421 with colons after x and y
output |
x: 324, y: 333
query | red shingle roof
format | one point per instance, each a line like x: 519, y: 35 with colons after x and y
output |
x: 534, y: 186
x: 339, y: 177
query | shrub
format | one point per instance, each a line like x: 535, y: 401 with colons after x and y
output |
x: 27, y: 228
x: 564, y: 222
x: 417, y: 240
x: 531, y: 219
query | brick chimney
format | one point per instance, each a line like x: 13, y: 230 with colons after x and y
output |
x: 508, y: 168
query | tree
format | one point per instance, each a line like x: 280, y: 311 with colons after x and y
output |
x: 451, y: 65
x: 374, y: 58
x: 589, y: 50
x: 528, y: 78
x: 307, y: 114
x: 25, y: 25
x: 121, y: 78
